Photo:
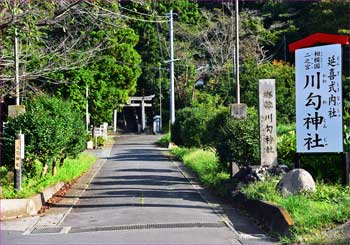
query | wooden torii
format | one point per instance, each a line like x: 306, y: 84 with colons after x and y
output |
x: 136, y: 101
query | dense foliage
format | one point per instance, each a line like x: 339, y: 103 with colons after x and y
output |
x: 237, y: 139
x: 283, y: 74
x: 53, y: 130
x: 234, y: 140
x: 67, y: 172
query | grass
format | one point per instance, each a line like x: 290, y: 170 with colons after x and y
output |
x: 204, y: 163
x: 164, y: 140
x: 313, y: 213
x: 71, y: 169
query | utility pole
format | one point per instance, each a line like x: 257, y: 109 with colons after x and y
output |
x: 172, y: 92
x: 160, y: 98
x: 87, y: 108
x: 16, y: 66
x: 233, y: 54
x: 237, y: 54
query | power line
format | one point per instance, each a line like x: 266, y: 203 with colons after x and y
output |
x: 124, y: 16
x: 144, y: 14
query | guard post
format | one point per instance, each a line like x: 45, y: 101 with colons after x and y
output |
x: 19, y: 156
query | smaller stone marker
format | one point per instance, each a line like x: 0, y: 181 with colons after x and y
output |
x: 267, y: 119
x: 15, y: 110
x: 238, y: 111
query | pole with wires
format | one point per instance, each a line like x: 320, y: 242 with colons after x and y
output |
x: 87, y: 108
x: 160, y: 99
x: 16, y: 66
x: 237, y: 54
x: 172, y: 92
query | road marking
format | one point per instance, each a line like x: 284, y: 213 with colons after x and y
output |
x: 142, y: 199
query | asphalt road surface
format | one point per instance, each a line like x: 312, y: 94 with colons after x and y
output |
x: 135, y: 195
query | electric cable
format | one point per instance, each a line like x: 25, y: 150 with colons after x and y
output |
x: 144, y: 14
x: 124, y: 16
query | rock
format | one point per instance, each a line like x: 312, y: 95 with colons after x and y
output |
x: 10, y: 176
x: 278, y: 170
x: 296, y: 181
x: 248, y: 174
x: 235, y: 168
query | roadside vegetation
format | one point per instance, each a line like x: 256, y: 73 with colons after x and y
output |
x: 70, y: 170
x: 313, y: 213
x: 209, y: 139
x: 65, y: 54
x: 204, y: 163
x: 55, y: 138
x: 164, y: 140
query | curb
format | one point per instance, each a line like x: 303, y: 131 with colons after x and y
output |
x: 271, y: 216
x: 16, y: 208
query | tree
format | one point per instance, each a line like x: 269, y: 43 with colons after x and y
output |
x: 110, y: 79
x: 283, y: 73
x: 55, y: 36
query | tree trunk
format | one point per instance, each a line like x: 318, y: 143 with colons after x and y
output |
x: 93, y: 136
x: 62, y: 160
x: 45, y: 168
x: 54, y: 167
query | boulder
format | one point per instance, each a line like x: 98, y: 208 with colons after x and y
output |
x: 296, y: 181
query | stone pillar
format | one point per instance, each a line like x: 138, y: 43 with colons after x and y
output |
x: 143, y: 119
x: 267, y: 114
x: 115, y: 121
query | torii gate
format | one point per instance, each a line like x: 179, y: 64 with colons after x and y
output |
x: 136, y: 101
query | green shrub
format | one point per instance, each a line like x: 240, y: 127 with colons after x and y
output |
x: 53, y: 130
x: 164, y: 140
x: 286, y: 144
x: 100, y: 141
x: 212, y: 134
x: 326, y: 167
x: 236, y: 139
x: 190, y: 126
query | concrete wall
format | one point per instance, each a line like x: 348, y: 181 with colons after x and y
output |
x: 15, y: 208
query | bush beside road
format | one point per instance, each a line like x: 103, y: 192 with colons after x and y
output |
x: 313, y: 213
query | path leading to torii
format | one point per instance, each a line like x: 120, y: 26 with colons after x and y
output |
x: 138, y: 196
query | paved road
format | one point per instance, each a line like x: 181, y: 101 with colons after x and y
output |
x: 136, y: 195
